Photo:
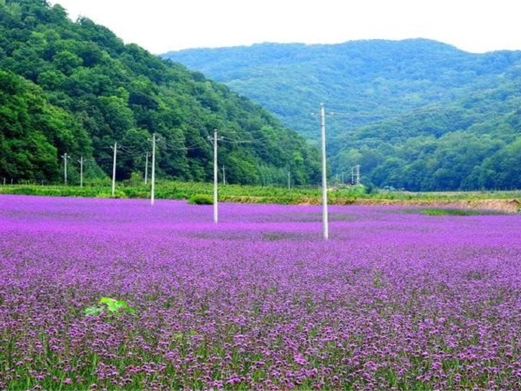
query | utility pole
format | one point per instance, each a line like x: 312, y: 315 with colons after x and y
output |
x: 215, y: 196
x: 65, y: 158
x: 214, y: 140
x: 153, y: 179
x: 357, y: 174
x: 81, y: 171
x: 4, y: 181
x: 289, y: 180
x: 224, y: 175
x: 146, y: 168
x: 325, y: 221
x: 115, y: 149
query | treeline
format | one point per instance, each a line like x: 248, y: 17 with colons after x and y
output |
x: 75, y: 88
x: 415, y: 114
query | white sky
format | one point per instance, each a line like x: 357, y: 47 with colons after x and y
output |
x: 163, y: 25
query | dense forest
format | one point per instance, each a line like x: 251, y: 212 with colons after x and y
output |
x: 415, y: 114
x: 75, y: 88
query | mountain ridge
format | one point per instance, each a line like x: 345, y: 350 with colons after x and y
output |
x: 377, y: 83
x: 265, y: 57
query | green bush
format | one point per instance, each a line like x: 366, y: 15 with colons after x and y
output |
x: 117, y: 194
x: 135, y: 179
x: 201, y: 199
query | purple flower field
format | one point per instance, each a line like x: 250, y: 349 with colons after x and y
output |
x: 395, y: 300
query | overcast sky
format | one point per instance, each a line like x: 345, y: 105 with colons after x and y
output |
x: 163, y: 25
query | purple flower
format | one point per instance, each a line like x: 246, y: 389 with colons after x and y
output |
x: 393, y: 298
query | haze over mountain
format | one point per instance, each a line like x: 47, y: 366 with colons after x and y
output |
x: 416, y: 114
x: 76, y: 88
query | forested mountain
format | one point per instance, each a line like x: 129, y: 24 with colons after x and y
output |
x: 415, y: 114
x: 76, y: 88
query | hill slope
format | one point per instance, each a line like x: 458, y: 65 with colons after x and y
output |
x: 407, y: 107
x: 76, y: 88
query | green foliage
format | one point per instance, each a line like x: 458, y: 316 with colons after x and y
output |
x: 32, y: 131
x: 76, y: 88
x: 186, y: 190
x: 509, y: 202
x: 110, y: 306
x: 93, y: 311
x: 135, y: 179
x: 456, y: 212
x: 118, y: 194
x: 415, y: 114
x: 116, y: 306
x: 201, y: 199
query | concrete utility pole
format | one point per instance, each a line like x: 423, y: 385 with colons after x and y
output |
x: 224, y: 175
x: 115, y: 149
x: 4, y: 181
x: 357, y: 174
x: 215, y: 195
x: 153, y: 179
x: 214, y: 140
x: 325, y: 221
x: 65, y: 158
x: 289, y: 180
x: 146, y: 168
x: 81, y: 171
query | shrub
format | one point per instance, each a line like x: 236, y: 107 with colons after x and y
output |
x: 117, y: 194
x: 201, y: 199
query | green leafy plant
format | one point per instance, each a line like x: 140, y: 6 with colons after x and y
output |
x: 110, y: 306
x: 201, y: 199
x: 93, y: 311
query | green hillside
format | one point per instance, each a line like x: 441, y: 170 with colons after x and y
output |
x: 76, y: 88
x: 415, y: 114
x: 471, y: 143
